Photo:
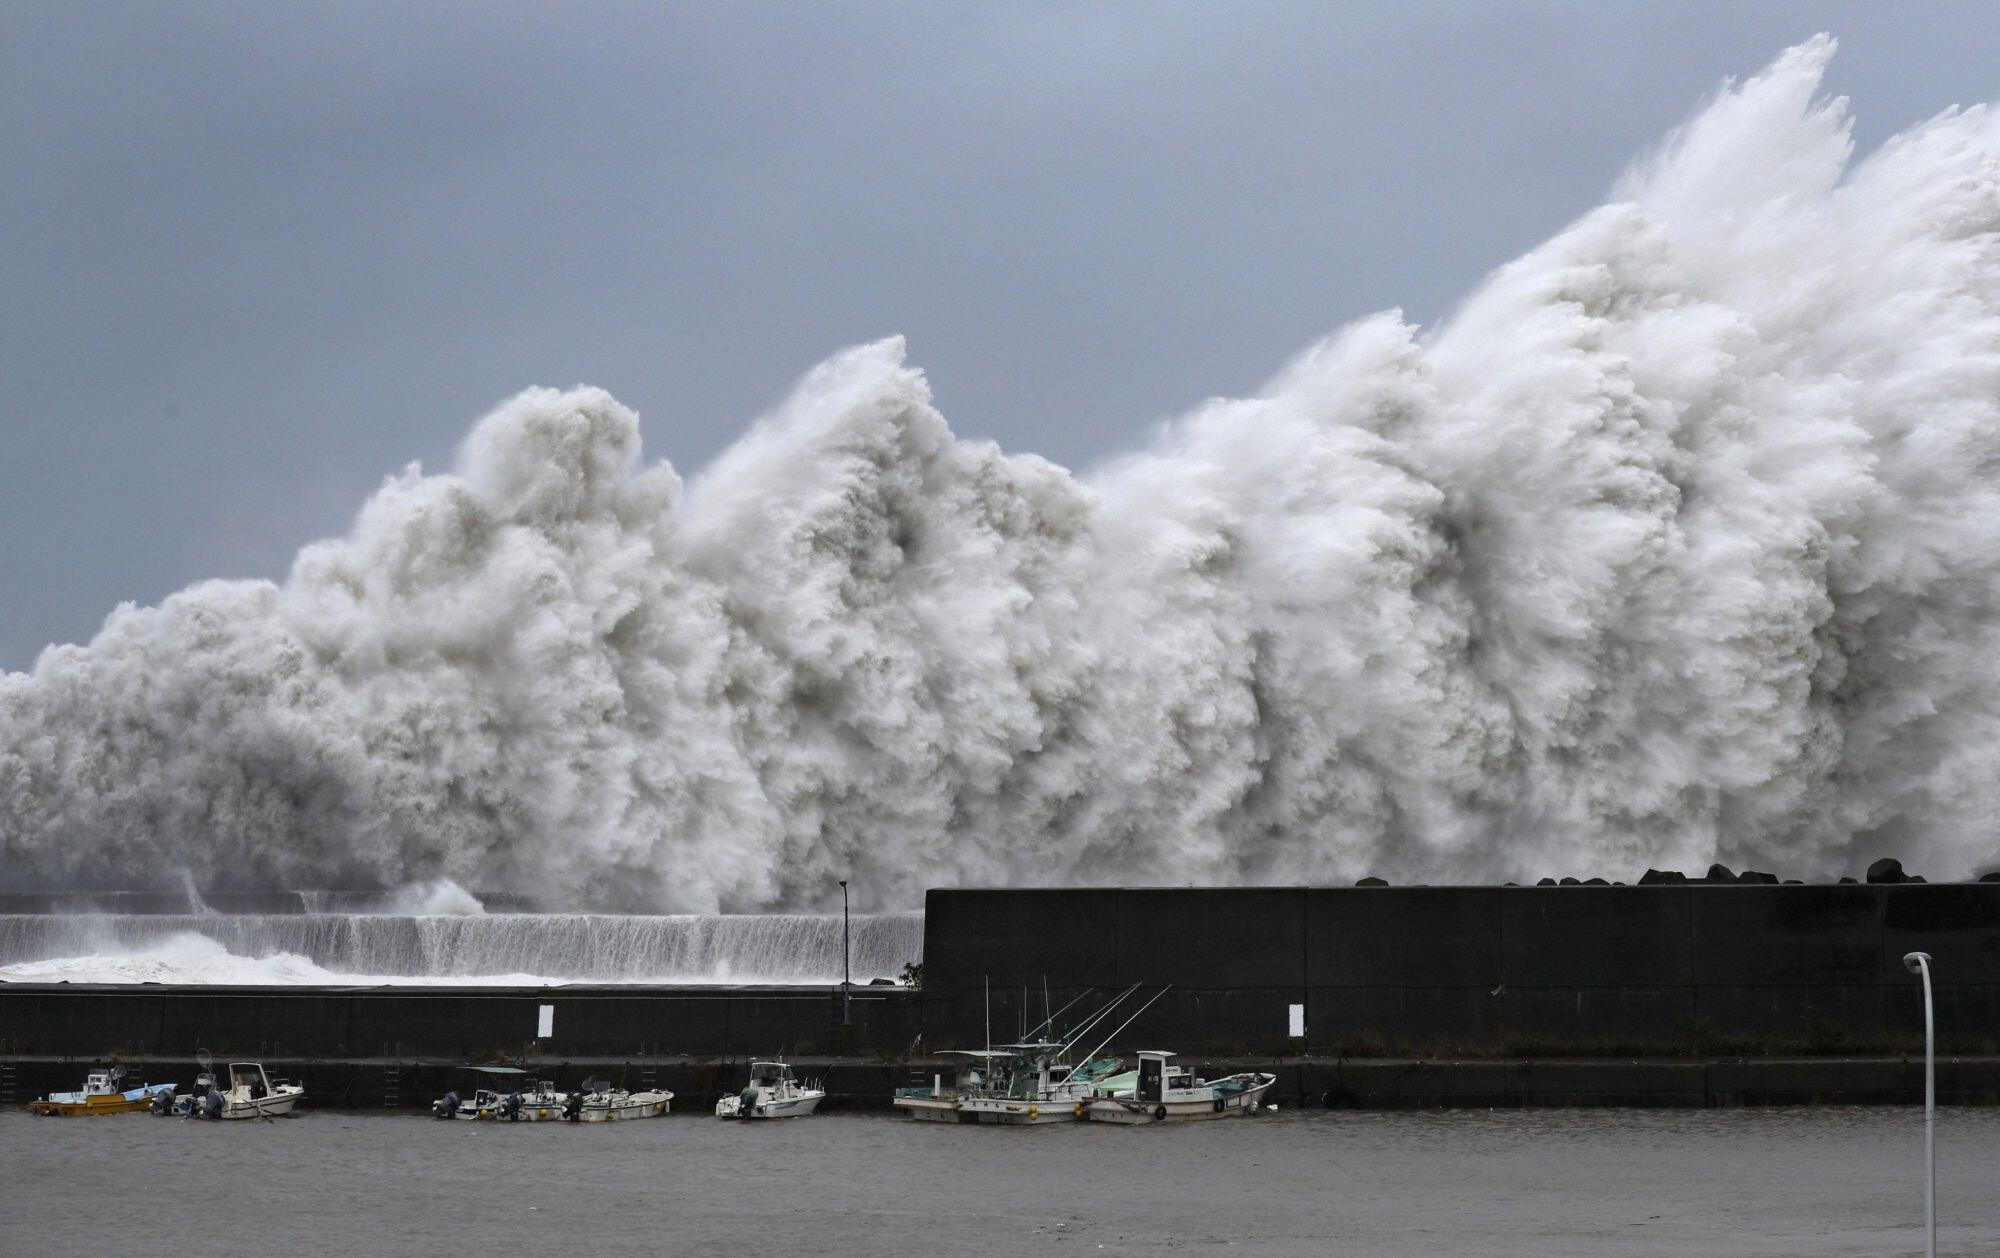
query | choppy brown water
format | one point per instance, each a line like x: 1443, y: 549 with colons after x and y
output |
x: 1599, y: 1182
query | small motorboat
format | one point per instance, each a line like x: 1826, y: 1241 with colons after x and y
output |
x: 605, y: 1103
x: 1159, y: 1091
x: 189, y: 1104
x: 251, y: 1093
x: 773, y: 1092
x: 103, y: 1093
x: 503, y: 1094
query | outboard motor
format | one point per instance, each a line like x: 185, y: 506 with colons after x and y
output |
x: 163, y: 1103
x: 211, y: 1105
x: 447, y: 1106
x: 573, y: 1107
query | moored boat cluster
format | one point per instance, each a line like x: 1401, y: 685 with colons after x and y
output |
x: 1047, y: 1080
x: 1042, y: 1078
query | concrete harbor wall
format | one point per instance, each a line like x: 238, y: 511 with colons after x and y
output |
x: 1480, y: 970
x: 471, y: 1023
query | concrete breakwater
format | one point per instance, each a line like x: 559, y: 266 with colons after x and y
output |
x: 471, y: 1024
x: 1683, y: 970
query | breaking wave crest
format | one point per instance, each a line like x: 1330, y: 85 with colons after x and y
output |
x: 1676, y: 543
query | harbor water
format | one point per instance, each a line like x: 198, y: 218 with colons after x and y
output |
x: 1822, y: 1181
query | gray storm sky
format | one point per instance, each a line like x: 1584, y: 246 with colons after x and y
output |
x: 255, y: 257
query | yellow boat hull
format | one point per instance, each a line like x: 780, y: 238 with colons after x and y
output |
x: 91, y: 1108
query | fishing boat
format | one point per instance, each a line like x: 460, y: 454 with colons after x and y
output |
x: 101, y: 1095
x: 253, y: 1094
x: 503, y: 1094
x: 1030, y: 1083
x: 604, y: 1103
x: 1160, y: 1091
x: 773, y: 1092
x: 938, y: 1102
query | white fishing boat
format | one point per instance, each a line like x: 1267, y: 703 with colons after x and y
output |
x: 1160, y: 1091
x: 938, y: 1102
x: 604, y: 1103
x: 1030, y: 1084
x: 254, y: 1094
x: 773, y: 1092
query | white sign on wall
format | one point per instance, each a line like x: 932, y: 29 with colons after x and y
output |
x: 1297, y: 1030
x: 545, y: 1022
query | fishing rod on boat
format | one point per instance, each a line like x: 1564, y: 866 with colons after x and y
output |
x: 1049, y: 1021
x: 1098, y: 1017
x: 1092, y: 1054
x: 1095, y: 1019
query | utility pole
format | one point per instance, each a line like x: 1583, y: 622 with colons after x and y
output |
x: 846, y: 973
x: 1919, y: 963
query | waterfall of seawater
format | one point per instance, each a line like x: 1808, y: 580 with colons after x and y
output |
x: 329, y: 947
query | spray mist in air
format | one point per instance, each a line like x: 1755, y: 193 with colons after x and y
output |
x: 1677, y: 543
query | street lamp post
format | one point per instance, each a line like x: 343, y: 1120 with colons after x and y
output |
x: 846, y: 974
x: 1919, y: 963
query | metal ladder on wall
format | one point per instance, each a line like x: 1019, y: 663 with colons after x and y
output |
x: 392, y: 1087
x: 7, y: 1085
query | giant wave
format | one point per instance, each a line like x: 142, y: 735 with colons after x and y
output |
x: 1676, y: 543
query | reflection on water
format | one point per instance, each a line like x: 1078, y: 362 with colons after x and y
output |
x: 1598, y: 1182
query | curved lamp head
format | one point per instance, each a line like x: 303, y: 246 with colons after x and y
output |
x: 1915, y: 962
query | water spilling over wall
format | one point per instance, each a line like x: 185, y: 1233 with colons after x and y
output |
x: 312, y: 947
x: 1677, y: 543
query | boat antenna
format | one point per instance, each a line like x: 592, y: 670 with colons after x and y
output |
x: 1128, y: 1022
x: 1047, y: 1017
x: 989, y: 1013
x: 1024, y: 1013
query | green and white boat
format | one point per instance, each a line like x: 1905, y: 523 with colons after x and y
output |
x: 1160, y: 1091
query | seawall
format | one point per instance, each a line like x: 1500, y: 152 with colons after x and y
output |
x: 467, y: 1023
x: 1482, y: 971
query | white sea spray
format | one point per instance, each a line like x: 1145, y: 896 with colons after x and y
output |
x: 1679, y: 542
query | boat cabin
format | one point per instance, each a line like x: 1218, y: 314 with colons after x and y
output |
x: 769, y: 1076
x: 248, y: 1078
x: 101, y: 1082
x: 1158, y: 1075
